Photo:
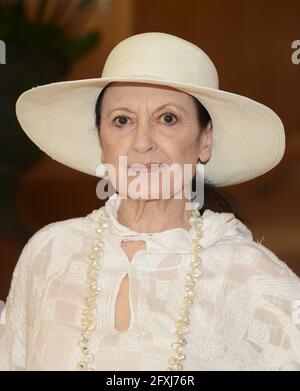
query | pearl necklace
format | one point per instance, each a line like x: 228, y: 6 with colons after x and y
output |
x: 182, y: 324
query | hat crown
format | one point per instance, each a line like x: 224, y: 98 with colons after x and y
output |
x: 162, y: 56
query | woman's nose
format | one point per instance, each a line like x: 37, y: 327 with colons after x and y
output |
x: 143, y: 138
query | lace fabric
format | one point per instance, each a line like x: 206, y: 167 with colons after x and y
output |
x: 244, y: 316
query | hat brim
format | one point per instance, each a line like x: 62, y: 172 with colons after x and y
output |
x: 248, y: 137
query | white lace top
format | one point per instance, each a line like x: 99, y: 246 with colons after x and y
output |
x: 246, y: 314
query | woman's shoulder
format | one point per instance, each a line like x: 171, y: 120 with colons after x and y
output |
x: 55, y: 240
x: 228, y: 239
x: 253, y: 259
x: 76, y: 226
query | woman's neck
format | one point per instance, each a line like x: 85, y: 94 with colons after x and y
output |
x: 154, y: 215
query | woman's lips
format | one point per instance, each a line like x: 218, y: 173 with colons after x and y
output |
x: 151, y: 167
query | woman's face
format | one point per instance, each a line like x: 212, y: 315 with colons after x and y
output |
x: 147, y: 123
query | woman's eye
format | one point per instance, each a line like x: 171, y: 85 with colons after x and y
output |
x: 169, y: 118
x: 120, y: 120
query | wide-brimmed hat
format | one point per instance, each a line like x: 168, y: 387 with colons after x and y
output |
x: 248, y: 137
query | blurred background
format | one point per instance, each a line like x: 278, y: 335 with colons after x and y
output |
x: 251, y: 44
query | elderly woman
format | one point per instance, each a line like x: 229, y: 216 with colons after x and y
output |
x: 148, y: 282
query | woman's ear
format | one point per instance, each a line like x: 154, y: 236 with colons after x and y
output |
x: 206, y: 144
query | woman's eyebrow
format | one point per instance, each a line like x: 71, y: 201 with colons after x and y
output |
x: 171, y: 104
x: 118, y: 108
x: 158, y: 108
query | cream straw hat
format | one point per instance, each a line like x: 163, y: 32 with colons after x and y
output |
x: 248, y: 137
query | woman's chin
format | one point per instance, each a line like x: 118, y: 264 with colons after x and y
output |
x: 154, y: 194
x: 144, y: 195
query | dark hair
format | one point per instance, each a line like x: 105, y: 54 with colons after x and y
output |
x: 213, y: 198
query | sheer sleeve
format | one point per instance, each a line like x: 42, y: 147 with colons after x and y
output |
x: 20, y: 317
x: 13, y: 317
x: 268, y: 301
x: 278, y: 308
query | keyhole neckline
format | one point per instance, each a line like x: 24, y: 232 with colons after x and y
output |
x: 135, y: 256
x: 131, y: 315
